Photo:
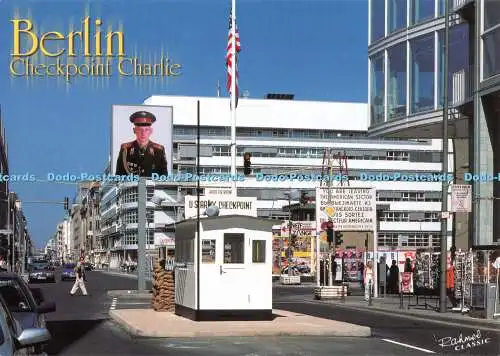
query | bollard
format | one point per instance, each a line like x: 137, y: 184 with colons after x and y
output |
x: 342, y: 296
x: 370, y: 292
x: 401, y: 297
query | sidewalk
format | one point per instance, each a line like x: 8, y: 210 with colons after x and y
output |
x: 117, y: 272
x: 148, y: 323
x: 392, y: 304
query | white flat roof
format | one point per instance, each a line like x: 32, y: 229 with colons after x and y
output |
x: 267, y: 113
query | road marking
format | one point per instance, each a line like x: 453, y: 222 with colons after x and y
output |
x: 113, y: 304
x: 409, y: 346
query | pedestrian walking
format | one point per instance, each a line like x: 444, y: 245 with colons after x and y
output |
x: 368, y: 278
x: 393, y: 282
x: 450, y: 285
x: 79, y: 280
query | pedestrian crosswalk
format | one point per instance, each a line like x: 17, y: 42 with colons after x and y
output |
x: 129, y: 303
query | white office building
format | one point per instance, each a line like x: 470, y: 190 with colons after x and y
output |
x: 284, y: 136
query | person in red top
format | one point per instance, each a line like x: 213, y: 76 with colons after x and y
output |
x: 450, y: 285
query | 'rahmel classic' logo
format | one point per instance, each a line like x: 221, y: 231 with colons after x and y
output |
x: 462, y: 343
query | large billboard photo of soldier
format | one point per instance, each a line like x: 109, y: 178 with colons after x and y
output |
x: 141, y: 140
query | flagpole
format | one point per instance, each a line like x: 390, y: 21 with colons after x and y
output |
x: 233, y: 97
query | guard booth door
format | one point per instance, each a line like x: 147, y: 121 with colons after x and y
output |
x: 233, y: 280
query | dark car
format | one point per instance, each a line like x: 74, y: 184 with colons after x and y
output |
x: 13, y: 338
x: 68, y: 272
x: 27, y: 305
x: 88, y: 266
x: 41, y: 272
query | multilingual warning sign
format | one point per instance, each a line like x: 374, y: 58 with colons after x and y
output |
x: 349, y: 209
x: 461, y: 198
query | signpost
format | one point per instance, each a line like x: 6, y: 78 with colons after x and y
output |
x: 461, y: 198
x: 349, y: 209
x: 228, y: 205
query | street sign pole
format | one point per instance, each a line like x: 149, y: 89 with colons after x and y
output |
x: 141, y: 235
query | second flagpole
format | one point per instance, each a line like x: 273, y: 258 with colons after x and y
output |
x: 233, y: 97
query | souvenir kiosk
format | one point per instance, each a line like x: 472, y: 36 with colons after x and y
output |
x: 226, y: 274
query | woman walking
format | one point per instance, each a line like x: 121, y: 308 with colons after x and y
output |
x: 368, y: 279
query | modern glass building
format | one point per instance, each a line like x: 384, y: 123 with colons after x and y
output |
x: 406, y: 88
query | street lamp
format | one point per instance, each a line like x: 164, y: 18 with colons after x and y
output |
x: 295, y: 195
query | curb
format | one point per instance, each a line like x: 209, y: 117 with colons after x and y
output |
x: 125, y: 325
x: 132, y: 294
x: 472, y: 322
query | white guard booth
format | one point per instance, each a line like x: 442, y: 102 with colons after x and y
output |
x: 232, y: 278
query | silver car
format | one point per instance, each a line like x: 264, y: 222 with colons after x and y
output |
x: 13, y: 339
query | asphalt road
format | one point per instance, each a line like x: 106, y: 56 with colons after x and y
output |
x: 81, y: 326
x: 407, y: 332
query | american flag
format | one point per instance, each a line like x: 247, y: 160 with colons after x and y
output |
x: 229, y: 57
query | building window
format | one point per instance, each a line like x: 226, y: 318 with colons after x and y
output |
x: 377, y: 89
x: 396, y: 15
x: 491, y: 41
x: 458, y: 63
x: 422, y: 74
x: 234, y: 248
x: 377, y: 19
x: 396, y: 87
x: 421, y: 10
x: 491, y: 13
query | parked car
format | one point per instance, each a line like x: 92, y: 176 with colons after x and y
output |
x: 27, y: 305
x: 68, y: 272
x: 88, y: 266
x: 41, y: 272
x: 14, y: 338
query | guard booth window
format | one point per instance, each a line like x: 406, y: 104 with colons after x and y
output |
x: 259, y: 251
x: 234, y: 248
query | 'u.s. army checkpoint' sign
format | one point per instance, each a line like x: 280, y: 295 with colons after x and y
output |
x: 228, y: 205
x: 349, y: 209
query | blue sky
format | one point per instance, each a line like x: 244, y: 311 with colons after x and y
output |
x: 316, y: 49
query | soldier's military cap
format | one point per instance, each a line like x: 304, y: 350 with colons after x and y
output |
x: 142, y: 118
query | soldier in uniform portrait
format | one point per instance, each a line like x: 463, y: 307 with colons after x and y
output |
x: 142, y: 157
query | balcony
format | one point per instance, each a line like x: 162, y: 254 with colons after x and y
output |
x: 462, y: 86
x: 464, y: 8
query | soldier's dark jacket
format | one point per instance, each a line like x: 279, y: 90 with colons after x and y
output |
x: 143, y: 162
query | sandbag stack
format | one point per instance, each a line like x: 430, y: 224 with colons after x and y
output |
x: 163, y: 289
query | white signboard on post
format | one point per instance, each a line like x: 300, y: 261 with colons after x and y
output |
x: 349, y: 209
x: 228, y: 205
x: 461, y: 198
x: 223, y: 192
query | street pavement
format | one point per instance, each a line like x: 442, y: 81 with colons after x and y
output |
x: 81, y: 326
x: 405, y: 331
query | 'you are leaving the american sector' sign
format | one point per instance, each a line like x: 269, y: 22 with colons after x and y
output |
x: 349, y: 209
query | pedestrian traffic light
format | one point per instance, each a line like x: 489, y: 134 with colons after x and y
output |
x: 329, y: 232
x: 247, y: 170
x: 338, y: 238
x: 66, y: 203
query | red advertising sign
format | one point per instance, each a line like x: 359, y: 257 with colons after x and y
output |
x: 406, y: 285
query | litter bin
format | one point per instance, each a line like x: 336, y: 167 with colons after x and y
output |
x: 483, y: 299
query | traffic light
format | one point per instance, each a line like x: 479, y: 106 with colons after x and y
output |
x: 247, y: 170
x: 66, y: 203
x: 338, y: 238
x: 329, y: 232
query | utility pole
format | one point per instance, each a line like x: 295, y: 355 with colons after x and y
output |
x: 444, y: 197
x: 141, y: 235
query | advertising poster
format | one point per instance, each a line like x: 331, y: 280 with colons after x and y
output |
x: 406, y: 284
x: 141, y: 140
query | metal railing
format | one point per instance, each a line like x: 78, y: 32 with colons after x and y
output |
x: 462, y: 86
